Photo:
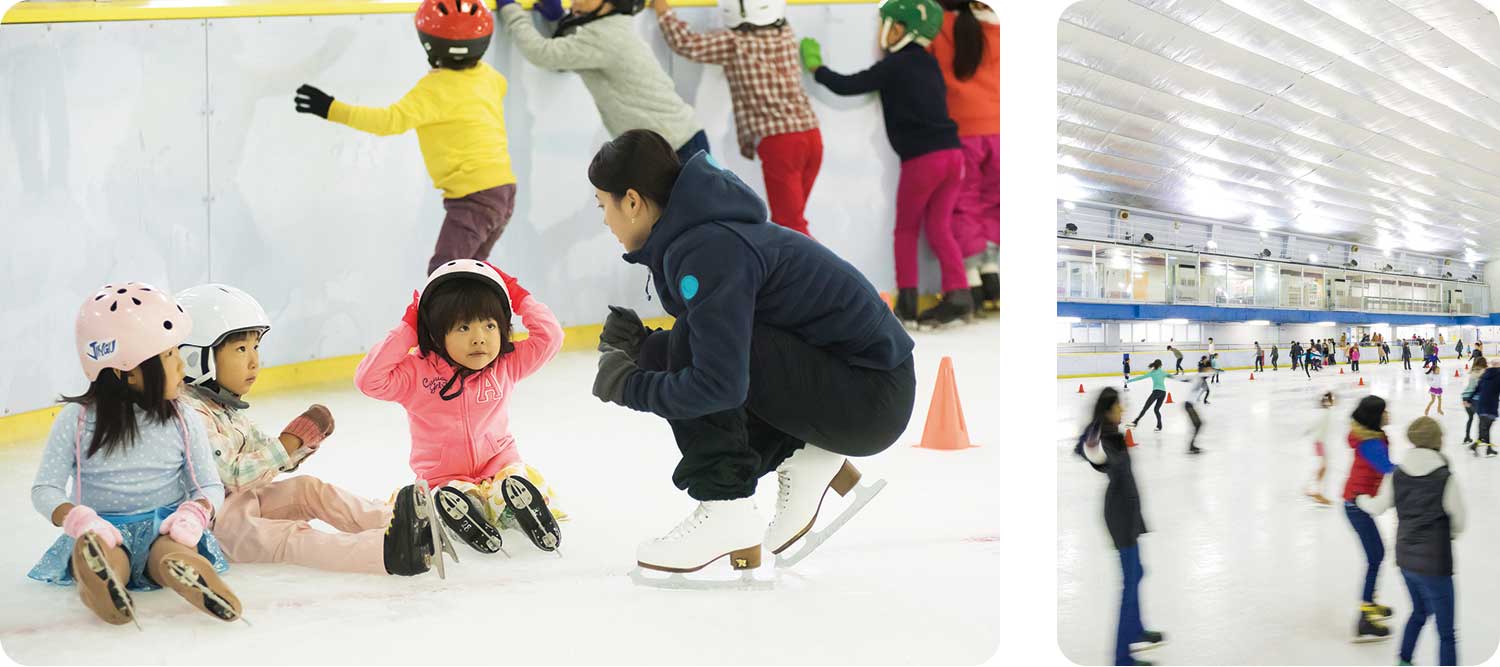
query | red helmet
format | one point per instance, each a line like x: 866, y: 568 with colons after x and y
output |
x: 455, y: 33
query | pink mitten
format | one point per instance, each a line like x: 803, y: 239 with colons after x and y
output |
x: 187, y: 524
x: 311, y: 426
x: 83, y: 519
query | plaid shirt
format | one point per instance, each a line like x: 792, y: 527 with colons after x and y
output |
x: 247, y: 457
x: 764, y: 69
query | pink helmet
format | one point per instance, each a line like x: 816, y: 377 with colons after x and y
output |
x: 124, y: 325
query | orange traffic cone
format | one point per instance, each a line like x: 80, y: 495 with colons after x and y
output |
x: 1341, y: 370
x: 886, y: 297
x: 1455, y: 372
x: 1080, y: 387
x: 945, y: 427
x: 1361, y: 382
x: 1252, y: 375
x: 1129, y: 439
x: 1169, y: 397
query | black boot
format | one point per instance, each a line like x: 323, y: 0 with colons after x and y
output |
x: 955, y: 306
x: 976, y: 296
x: 906, y: 307
x: 408, y: 539
x: 463, y: 515
x: 991, y: 284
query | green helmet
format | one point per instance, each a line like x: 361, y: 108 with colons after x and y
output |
x: 922, y: 18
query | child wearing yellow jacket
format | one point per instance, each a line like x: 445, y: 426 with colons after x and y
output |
x: 458, y: 112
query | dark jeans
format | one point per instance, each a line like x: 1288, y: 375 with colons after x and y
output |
x: 1179, y: 366
x: 699, y: 142
x: 1354, y: 365
x: 1273, y: 362
x: 1406, y: 362
x: 1484, y: 428
x: 1369, y: 537
x: 1157, y: 396
x: 798, y: 394
x: 1430, y: 596
x: 1470, y: 422
x: 1130, y: 628
x: 473, y: 224
x: 1260, y: 364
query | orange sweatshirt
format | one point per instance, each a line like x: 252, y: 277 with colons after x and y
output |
x: 974, y: 104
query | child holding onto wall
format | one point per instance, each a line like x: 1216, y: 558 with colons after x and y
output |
x: 144, y: 486
x: 968, y: 50
x: 772, y: 115
x: 1429, y: 516
x: 458, y: 112
x: 456, y: 389
x: 263, y: 519
x: 598, y: 40
x: 913, y: 99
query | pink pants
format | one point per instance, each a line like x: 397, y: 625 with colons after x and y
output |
x: 925, y: 198
x: 976, y: 217
x: 269, y: 525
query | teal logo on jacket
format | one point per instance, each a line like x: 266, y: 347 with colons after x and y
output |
x: 688, y: 287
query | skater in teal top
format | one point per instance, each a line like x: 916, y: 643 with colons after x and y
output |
x: 1158, y: 392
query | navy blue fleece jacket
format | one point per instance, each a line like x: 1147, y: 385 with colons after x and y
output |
x: 721, y: 268
x: 913, y: 99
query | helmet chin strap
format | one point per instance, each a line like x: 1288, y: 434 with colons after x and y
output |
x: 885, y: 37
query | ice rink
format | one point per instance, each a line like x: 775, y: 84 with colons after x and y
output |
x: 1240, y: 567
x: 913, y: 579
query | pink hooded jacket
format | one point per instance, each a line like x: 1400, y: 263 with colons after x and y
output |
x: 467, y: 438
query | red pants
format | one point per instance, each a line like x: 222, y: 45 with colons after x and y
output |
x: 790, y: 164
x: 925, y: 196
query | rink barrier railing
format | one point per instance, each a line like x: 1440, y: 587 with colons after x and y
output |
x: 160, y: 10
x: 33, y: 425
x: 1140, y: 365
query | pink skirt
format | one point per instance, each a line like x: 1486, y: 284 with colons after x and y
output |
x: 1436, y: 391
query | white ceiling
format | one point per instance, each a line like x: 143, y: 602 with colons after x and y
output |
x: 1375, y: 121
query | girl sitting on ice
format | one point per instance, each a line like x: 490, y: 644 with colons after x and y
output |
x: 144, y: 483
x: 456, y: 389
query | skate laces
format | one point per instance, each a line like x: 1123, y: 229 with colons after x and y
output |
x: 689, y: 524
x: 783, y: 491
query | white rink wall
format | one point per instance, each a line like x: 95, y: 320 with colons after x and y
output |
x: 169, y: 152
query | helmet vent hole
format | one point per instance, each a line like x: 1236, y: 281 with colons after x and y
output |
x: 137, y: 301
x: 101, y: 296
x: 167, y: 324
x: 145, y: 289
x: 113, y: 306
x: 442, y: 8
x: 120, y: 291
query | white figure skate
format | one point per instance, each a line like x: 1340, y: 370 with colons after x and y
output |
x: 716, y: 529
x: 804, y: 480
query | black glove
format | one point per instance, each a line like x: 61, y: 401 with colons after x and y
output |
x: 623, y: 331
x: 313, y: 101
x: 614, y: 367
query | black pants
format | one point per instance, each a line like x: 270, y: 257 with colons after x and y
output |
x: 1295, y: 362
x: 1273, y: 362
x: 1406, y: 361
x: 1260, y: 364
x: 1156, y: 397
x: 1179, y: 366
x: 1469, y: 409
x: 1354, y: 365
x: 1197, y: 423
x: 1484, y: 428
x: 798, y: 394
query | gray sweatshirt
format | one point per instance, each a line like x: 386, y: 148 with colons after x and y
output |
x: 628, y: 85
x: 151, y: 473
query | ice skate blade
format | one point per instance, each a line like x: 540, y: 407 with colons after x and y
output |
x: 427, y: 509
x: 94, y: 556
x: 1368, y: 639
x: 746, y: 581
x: 186, y: 575
x: 863, y: 494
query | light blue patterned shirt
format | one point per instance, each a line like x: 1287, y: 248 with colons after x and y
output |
x: 152, y: 472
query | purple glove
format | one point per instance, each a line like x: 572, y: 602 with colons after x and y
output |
x: 83, y: 519
x: 549, y: 9
x: 187, y: 524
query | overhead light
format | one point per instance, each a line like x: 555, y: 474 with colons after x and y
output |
x: 1069, y: 320
x: 1174, y: 320
x: 1421, y: 271
x: 1264, y: 236
x: 1381, y: 324
x: 1258, y: 323
x: 1212, y: 244
x: 1312, y: 257
x: 1069, y: 205
x: 1387, y: 252
x: 1325, y: 324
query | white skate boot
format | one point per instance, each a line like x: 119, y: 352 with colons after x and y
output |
x: 804, y: 479
x: 718, y: 528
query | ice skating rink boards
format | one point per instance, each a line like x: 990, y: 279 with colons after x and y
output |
x: 913, y: 579
x: 1240, y: 569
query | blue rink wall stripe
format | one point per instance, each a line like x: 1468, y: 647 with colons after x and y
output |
x: 1125, y: 311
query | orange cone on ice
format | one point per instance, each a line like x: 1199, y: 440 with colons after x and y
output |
x: 1080, y: 387
x: 945, y: 427
x: 1361, y: 382
x: 1169, y: 397
x: 1341, y: 370
x: 1129, y: 439
x: 1252, y: 375
x: 1455, y: 372
x: 886, y: 297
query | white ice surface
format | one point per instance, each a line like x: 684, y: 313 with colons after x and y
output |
x: 913, y: 579
x: 1240, y: 569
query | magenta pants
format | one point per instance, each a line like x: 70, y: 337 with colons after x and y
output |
x: 925, y: 199
x: 976, y: 217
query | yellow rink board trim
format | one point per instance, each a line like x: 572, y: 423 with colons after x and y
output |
x: 33, y: 425
x: 161, y: 10
x: 1283, y: 366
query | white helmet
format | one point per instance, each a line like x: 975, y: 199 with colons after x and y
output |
x: 752, y: 12
x: 217, y: 311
